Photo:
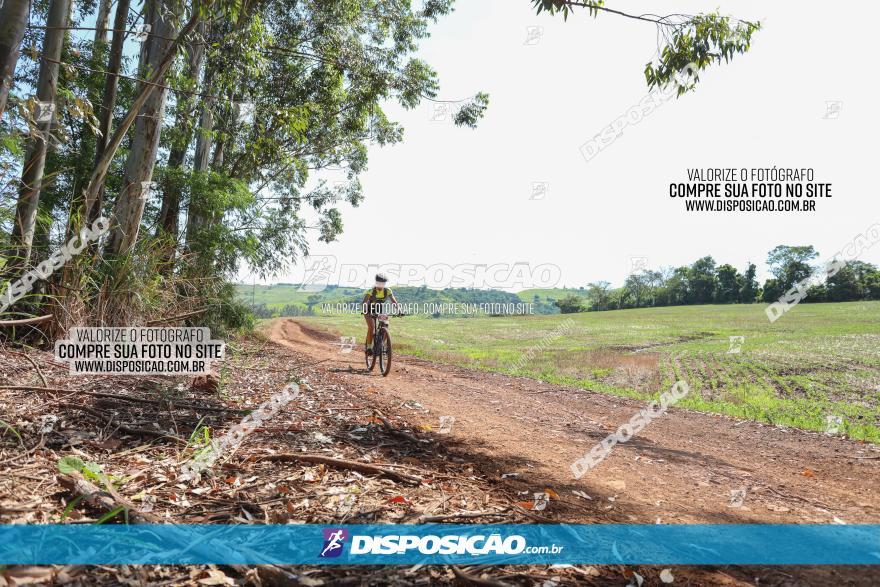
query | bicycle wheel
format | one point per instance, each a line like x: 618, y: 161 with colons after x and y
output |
x: 385, y: 354
x: 371, y: 359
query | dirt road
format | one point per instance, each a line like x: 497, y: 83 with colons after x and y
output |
x: 684, y: 467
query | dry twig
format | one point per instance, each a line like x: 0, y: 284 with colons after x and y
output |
x: 34, y: 364
x: 395, y: 431
x: 123, y: 428
x: 340, y: 464
x: 26, y: 321
x: 466, y: 577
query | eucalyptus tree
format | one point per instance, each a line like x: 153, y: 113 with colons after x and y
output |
x: 111, y: 87
x: 158, y: 58
x: 102, y: 20
x: 314, y: 86
x: 161, y: 17
x: 160, y: 64
x: 13, y: 21
x: 44, y: 107
x: 182, y: 132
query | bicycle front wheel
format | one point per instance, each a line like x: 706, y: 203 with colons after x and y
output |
x: 371, y: 360
x: 385, y: 354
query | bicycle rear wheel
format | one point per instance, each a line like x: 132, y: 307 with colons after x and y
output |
x: 385, y: 354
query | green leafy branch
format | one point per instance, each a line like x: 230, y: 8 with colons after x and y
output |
x: 685, y: 41
x: 90, y: 470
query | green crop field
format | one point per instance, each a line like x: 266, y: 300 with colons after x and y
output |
x: 556, y: 293
x: 817, y: 367
x: 279, y: 295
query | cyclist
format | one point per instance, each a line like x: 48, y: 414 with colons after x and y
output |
x: 378, y: 294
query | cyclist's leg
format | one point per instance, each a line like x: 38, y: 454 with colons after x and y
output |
x: 368, y: 344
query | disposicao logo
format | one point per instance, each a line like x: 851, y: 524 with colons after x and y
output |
x: 334, y: 539
x: 431, y: 544
x: 443, y: 545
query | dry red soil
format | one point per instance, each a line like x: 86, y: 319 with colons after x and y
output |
x: 682, y: 468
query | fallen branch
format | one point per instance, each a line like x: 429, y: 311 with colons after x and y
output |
x: 313, y: 363
x: 123, y: 428
x: 34, y: 364
x: 107, y: 500
x: 141, y: 400
x: 340, y: 464
x: 534, y: 516
x: 395, y: 431
x: 26, y: 321
x: 442, y: 517
x: 796, y: 497
x: 466, y: 577
x: 138, y: 400
x: 38, y: 388
x: 268, y: 369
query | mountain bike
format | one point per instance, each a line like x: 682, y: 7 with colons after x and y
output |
x: 381, y: 344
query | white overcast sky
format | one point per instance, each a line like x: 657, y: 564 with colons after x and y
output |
x: 454, y: 195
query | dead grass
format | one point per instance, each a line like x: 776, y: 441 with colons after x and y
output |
x: 640, y: 371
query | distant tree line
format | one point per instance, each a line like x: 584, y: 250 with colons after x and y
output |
x: 705, y: 282
x: 405, y: 294
x: 261, y: 310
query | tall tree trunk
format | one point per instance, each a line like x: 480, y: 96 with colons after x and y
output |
x: 41, y: 248
x: 102, y: 20
x: 35, y: 161
x: 65, y: 305
x: 108, y: 100
x: 13, y: 21
x: 203, y: 139
x: 195, y: 218
x: 219, y: 151
x: 96, y: 181
x: 169, y: 214
x: 145, y: 142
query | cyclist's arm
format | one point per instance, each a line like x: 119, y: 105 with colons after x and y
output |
x: 364, y: 303
x: 396, y: 304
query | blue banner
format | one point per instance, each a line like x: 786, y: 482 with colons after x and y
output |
x: 306, y: 544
